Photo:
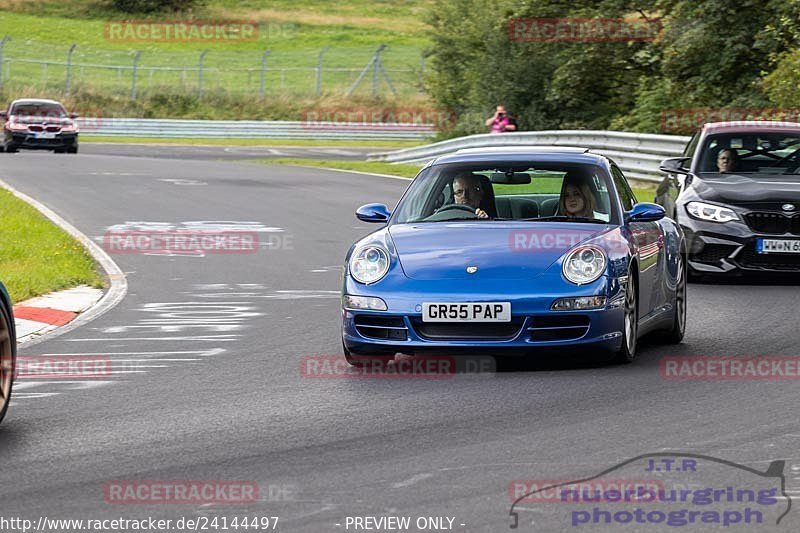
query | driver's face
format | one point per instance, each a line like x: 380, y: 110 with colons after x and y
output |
x: 725, y: 161
x: 467, y: 192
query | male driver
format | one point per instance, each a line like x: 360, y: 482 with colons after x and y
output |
x: 726, y: 160
x: 467, y: 191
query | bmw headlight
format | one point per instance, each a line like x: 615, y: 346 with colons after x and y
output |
x: 369, y: 264
x: 584, y: 264
x: 710, y: 212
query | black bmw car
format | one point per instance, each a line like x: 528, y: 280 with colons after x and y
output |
x: 736, y: 194
x: 37, y: 124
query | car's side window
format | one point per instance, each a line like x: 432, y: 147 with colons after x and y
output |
x: 625, y: 194
x: 691, y: 147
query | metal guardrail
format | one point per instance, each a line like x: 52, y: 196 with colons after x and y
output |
x: 211, y: 129
x: 637, y: 154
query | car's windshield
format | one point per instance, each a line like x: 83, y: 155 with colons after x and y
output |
x: 39, y: 110
x: 750, y: 153
x: 487, y: 192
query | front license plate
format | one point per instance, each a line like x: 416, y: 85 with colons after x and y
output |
x: 778, y: 246
x: 467, y: 312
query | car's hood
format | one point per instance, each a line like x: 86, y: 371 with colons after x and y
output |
x: 746, y: 188
x: 499, y: 250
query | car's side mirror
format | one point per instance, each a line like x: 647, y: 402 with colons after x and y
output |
x: 73, y: 115
x: 674, y: 165
x: 645, y: 212
x: 373, y: 213
x: 3, y: 114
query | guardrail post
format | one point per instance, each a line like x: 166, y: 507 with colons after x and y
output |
x: 200, y: 74
x: 319, y: 69
x: 69, y: 69
x: 263, y: 74
x: 2, y: 48
x: 135, y: 72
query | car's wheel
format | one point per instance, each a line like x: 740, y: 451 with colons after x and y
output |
x: 675, y: 334
x: 8, y: 355
x: 59, y: 150
x: 10, y: 148
x: 630, y: 323
x: 366, y: 360
x: 72, y: 149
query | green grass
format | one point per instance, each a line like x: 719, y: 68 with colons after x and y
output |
x: 36, y: 257
x: 644, y: 193
x: 294, y: 34
x: 375, y: 167
x: 388, y: 145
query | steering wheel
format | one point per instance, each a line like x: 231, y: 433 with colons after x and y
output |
x: 461, y: 207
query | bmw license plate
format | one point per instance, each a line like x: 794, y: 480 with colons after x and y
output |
x: 43, y: 135
x: 467, y: 312
x: 778, y: 246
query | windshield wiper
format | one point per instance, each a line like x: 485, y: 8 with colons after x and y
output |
x: 567, y: 219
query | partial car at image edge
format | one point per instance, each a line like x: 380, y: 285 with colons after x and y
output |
x: 8, y: 350
x: 735, y: 192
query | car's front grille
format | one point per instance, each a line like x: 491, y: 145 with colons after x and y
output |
x: 382, y: 327
x: 773, y: 223
x: 558, y: 327
x: 467, y: 330
x: 54, y: 129
x: 713, y: 253
x: 35, y: 127
x: 749, y: 258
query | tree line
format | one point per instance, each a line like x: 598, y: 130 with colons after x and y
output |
x: 699, y: 55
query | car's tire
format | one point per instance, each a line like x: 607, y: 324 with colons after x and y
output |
x: 72, y: 149
x: 630, y: 323
x: 674, y: 335
x: 8, y: 359
x: 59, y: 150
x: 366, y: 360
x: 10, y: 148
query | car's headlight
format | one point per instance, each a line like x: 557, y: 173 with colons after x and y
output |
x: 369, y: 264
x: 584, y: 264
x: 710, y: 212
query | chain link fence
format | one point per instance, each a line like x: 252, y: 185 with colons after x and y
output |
x: 331, y: 70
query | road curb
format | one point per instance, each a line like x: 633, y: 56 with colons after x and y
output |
x: 118, y: 284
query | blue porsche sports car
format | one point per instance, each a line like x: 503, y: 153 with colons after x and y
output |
x: 512, y: 251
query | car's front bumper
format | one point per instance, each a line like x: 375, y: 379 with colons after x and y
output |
x: 730, y: 248
x: 533, y: 327
x: 30, y: 141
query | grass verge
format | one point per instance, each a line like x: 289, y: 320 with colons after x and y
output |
x: 37, y: 257
x: 643, y: 193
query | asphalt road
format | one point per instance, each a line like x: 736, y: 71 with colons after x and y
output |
x: 207, y: 386
x: 177, y: 151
